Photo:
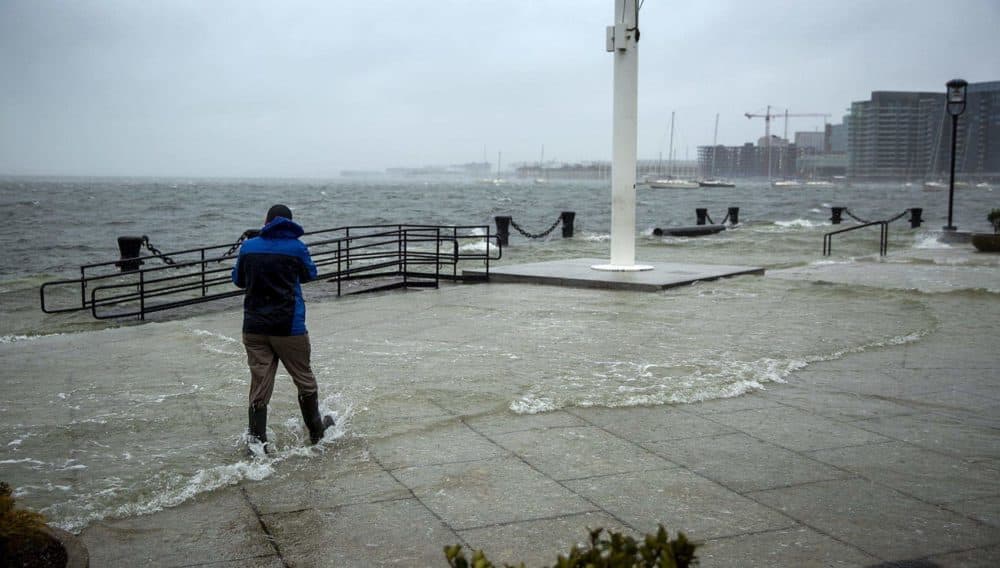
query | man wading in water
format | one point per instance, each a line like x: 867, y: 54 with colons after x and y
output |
x: 271, y: 267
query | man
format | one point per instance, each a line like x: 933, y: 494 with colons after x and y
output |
x: 271, y: 266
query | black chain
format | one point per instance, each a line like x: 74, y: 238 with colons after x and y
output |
x: 725, y: 219
x: 860, y: 220
x: 246, y: 235
x: 855, y: 217
x: 898, y: 217
x: 709, y: 218
x: 536, y: 236
x: 156, y: 252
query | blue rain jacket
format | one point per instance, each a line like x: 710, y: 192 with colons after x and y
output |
x: 272, y: 267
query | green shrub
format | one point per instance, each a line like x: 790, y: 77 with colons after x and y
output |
x: 17, y: 527
x: 613, y: 551
x: 994, y: 219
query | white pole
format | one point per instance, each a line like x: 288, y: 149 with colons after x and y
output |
x: 622, y: 42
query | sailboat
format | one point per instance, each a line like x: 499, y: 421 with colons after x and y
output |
x: 714, y: 181
x: 541, y: 168
x: 670, y: 182
x: 496, y: 180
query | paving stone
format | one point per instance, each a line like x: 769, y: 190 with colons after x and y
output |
x: 505, y: 422
x: 652, y: 424
x: 539, y: 543
x: 940, y: 433
x: 573, y: 453
x: 797, y: 430
x: 274, y: 561
x: 988, y: 557
x: 878, y: 520
x: 743, y: 464
x: 754, y: 400
x: 391, y: 533
x: 986, y: 510
x: 841, y: 406
x: 341, y: 479
x: 883, y: 382
x: 796, y: 546
x: 490, y: 492
x: 923, y: 474
x: 681, y: 501
x: 452, y: 441
x: 214, y: 527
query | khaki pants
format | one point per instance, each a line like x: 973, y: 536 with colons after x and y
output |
x: 263, y: 354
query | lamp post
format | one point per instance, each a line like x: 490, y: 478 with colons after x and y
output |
x: 955, y: 103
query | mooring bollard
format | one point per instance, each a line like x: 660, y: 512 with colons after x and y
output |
x: 915, y: 220
x: 567, y: 223
x: 835, y: 213
x: 734, y: 215
x: 701, y: 213
x: 129, y: 248
x: 503, y: 229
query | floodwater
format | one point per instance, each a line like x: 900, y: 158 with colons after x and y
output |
x: 110, y: 419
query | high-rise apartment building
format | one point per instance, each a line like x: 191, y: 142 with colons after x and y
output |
x: 907, y: 135
x: 891, y: 136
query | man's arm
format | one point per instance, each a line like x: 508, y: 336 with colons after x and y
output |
x: 237, y: 274
x: 308, y: 272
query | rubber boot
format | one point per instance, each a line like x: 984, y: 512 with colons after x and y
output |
x: 316, y: 424
x: 258, y: 425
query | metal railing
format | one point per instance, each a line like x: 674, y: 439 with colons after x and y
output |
x: 883, y: 243
x: 413, y: 255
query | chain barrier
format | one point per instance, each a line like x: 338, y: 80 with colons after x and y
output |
x: 246, y: 235
x: 860, y: 220
x: 709, y: 218
x: 538, y: 235
x: 156, y: 252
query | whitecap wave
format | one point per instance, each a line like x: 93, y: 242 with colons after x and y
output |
x: 929, y: 241
x: 800, y: 223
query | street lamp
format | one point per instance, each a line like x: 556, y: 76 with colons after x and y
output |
x: 955, y: 103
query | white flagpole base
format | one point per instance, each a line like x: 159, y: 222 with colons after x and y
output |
x: 621, y: 267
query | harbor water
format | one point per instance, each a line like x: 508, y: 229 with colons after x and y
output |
x: 103, y: 419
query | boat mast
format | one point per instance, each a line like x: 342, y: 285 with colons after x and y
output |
x: 715, y: 143
x: 670, y: 152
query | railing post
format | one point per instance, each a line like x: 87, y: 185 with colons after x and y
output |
x: 204, y: 290
x: 701, y: 213
x: 142, y: 296
x: 567, y: 218
x: 347, y: 235
x: 437, y: 257
x: 915, y: 217
x: 404, y: 249
x: 340, y: 269
x: 503, y: 228
x: 83, y: 288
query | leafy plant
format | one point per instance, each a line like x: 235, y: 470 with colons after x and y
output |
x: 613, y: 551
x: 17, y: 526
x: 994, y: 219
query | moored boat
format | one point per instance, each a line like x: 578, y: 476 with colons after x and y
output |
x: 715, y: 183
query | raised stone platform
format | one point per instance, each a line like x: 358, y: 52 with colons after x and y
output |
x: 577, y: 273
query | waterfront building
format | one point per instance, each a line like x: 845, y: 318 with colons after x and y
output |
x: 907, y: 135
x: 811, y: 142
x: 749, y: 160
x: 891, y: 136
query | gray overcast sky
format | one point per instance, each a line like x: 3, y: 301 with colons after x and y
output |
x: 308, y: 88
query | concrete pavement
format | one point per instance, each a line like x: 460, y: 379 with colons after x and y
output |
x: 885, y: 457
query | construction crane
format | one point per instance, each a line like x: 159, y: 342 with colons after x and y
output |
x: 767, y: 116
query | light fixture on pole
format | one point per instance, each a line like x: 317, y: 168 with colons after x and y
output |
x: 955, y: 104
